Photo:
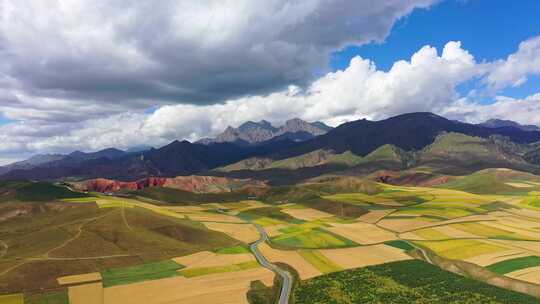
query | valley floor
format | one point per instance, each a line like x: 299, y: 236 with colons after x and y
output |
x: 343, y: 247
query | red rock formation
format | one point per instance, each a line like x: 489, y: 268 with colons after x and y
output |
x: 196, y: 184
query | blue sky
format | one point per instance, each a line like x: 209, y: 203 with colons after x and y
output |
x: 488, y: 29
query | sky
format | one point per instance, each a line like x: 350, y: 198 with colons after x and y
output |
x: 92, y: 74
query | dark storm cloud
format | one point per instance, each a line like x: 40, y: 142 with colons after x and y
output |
x: 182, y: 51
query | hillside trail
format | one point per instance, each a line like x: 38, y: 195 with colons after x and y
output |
x: 46, y: 256
x: 4, y: 250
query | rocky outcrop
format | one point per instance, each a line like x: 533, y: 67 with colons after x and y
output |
x: 257, y: 132
x: 194, y: 183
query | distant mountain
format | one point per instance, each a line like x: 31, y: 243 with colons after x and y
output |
x: 498, y: 123
x: 404, y: 141
x: 176, y: 158
x: 257, y: 132
x: 412, y: 131
x: 32, y: 162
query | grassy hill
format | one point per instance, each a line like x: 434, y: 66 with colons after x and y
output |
x: 35, y: 191
x: 347, y: 159
x: 455, y: 153
x: 496, y: 181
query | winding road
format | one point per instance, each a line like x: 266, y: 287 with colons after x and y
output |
x: 286, y: 277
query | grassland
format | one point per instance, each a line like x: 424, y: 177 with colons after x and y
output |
x: 26, y: 191
x: 48, y: 298
x: 393, y: 283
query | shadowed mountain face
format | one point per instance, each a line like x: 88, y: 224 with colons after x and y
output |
x: 409, y: 132
x: 498, y: 123
x: 397, y: 141
x: 258, y: 132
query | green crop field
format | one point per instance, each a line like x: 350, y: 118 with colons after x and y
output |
x: 510, y: 265
x: 138, y: 273
x: 311, y: 239
x: 233, y: 250
x: 400, y: 244
x: 402, y: 282
x: 200, y: 271
x: 317, y: 259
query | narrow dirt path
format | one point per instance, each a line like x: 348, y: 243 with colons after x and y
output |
x: 124, y: 216
x: 4, y: 250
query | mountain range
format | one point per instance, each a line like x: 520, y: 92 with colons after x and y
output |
x: 261, y: 151
x: 498, y: 123
x: 250, y: 132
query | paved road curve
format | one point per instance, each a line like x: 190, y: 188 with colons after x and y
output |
x: 286, y: 277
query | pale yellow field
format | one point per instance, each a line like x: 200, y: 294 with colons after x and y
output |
x: 430, y: 234
x: 225, y: 288
x: 404, y: 225
x: 187, y: 209
x: 80, y: 278
x: 364, y: 256
x: 243, y: 232
x: 362, y: 233
x: 290, y: 257
x: 462, y: 249
x: 211, y: 259
x: 527, y: 246
x: 307, y: 214
x: 375, y: 215
x: 515, y: 228
x: 87, y: 294
x: 273, y: 231
x: 531, y: 274
x: 452, y: 232
x: 495, y: 257
x: 213, y: 217
x: 251, y: 205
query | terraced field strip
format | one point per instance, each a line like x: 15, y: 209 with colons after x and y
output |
x: 242, y: 232
x: 311, y: 239
x: 460, y: 249
x: 80, y: 278
x: 210, y: 259
x: 138, y: 273
x: 291, y: 257
x: 12, y: 299
x: 530, y: 274
x: 201, y: 271
x: 222, y: 288
x: 514, y: 264
x: 86, y: 294
x: 322, y: 263
x: 363, y: 256
x: 307, y: 214
x: 362, y: 233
